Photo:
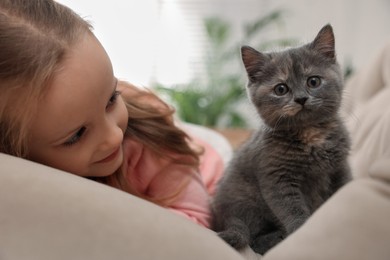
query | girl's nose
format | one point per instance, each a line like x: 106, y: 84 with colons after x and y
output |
x: 112, y: 136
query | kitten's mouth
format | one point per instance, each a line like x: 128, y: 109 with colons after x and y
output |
x: 292, y: 110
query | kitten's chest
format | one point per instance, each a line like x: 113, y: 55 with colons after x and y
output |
x: 312, y: 138
x: 308, y: 144
x: 308, y: 161
x: 316, y: 153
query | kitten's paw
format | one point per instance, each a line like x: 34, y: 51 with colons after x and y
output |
x: 297, y: 223
x: 234, y: 238
x: 263, y: 243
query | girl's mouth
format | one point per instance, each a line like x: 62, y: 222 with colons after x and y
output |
x: 110, y: 157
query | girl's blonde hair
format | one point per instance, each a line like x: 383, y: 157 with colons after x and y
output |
x: 34, y: 37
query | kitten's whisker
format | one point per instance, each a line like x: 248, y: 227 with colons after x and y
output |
x: 278, y: 122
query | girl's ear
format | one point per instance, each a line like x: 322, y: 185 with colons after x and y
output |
x: 324, y: 43
x: 253, y: 61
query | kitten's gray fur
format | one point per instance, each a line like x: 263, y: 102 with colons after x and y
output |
x: 298, y: 159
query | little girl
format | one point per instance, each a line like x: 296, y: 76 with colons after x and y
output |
x: 61, y: 105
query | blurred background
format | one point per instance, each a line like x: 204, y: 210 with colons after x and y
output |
x: 188, y: 50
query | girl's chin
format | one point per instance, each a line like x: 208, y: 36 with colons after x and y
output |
x: 116, y: 163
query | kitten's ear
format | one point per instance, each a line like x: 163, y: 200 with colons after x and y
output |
x: 252, y: 60
x: 324, y: 43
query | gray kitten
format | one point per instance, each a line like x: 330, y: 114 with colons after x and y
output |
x: 298, y: 159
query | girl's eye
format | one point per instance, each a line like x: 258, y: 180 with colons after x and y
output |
x: 76, y: 137
x: 313, y: 82
x: 113, y: 98
x: 281, y: 89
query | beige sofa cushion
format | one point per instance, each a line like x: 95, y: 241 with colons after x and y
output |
x: 49, y: 214
x: 367, y: 111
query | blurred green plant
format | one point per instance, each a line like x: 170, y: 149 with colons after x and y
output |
x: 212, y: 98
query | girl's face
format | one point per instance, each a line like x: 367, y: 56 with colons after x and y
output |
x: 81, y: 120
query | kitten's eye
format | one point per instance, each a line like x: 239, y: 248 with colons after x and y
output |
x: 313, y: 82
x: 281, y: 89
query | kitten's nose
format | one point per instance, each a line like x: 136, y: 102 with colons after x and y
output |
x: 301, y: 100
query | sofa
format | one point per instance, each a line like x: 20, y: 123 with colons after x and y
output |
x: 49, y: 214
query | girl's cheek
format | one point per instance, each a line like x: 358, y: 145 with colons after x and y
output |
x: 124, y: 116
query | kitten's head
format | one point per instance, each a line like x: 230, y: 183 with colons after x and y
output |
x: 297, y: 87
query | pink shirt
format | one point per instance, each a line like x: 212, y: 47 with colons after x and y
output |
x: 187, y: 189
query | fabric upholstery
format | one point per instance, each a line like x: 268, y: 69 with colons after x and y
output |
x: 49, y: 214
